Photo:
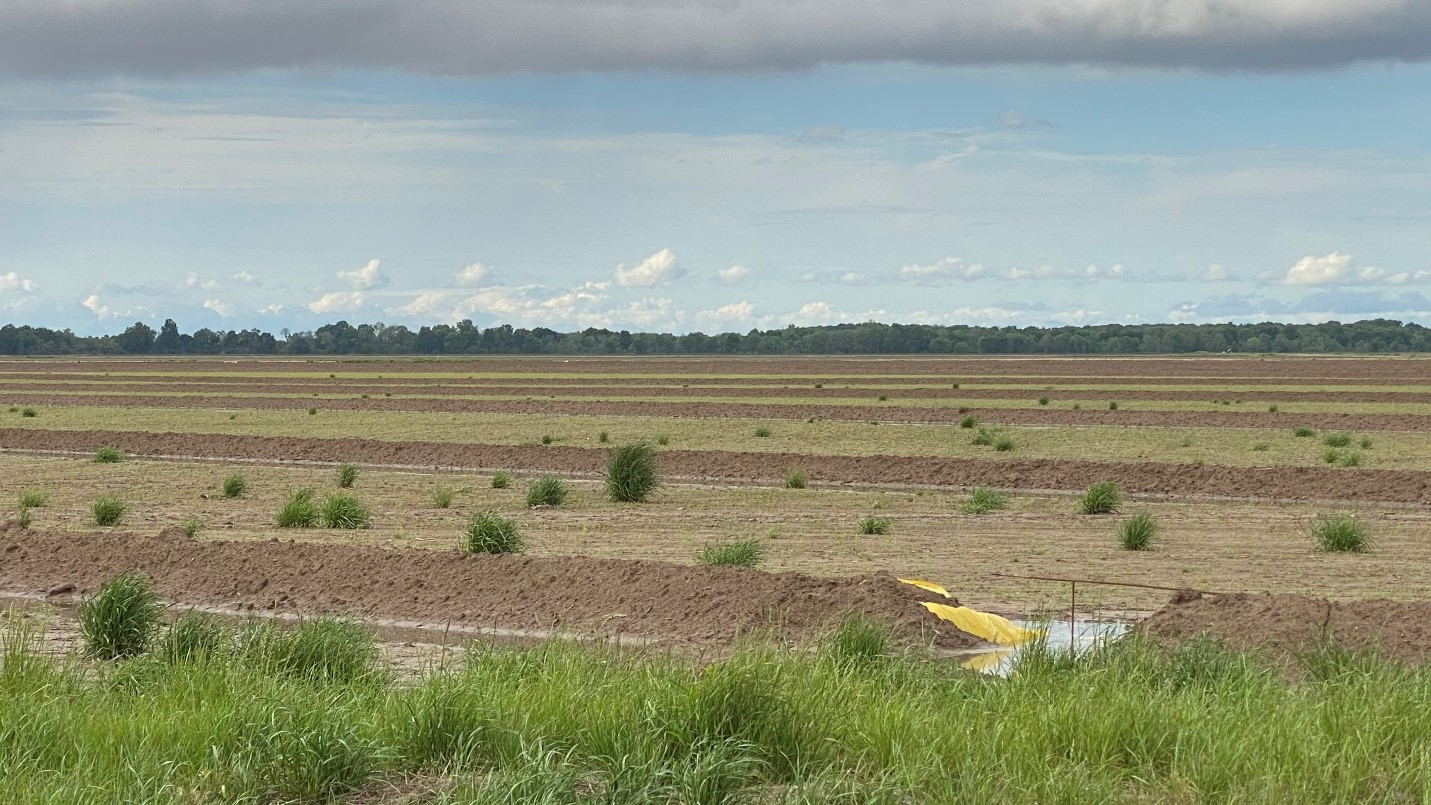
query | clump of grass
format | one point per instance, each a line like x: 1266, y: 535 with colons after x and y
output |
x: 1303, y: 433
x: 300, y: 511
x: 442, y: 497
x: 1339, y: 439
x: 321, y: 650
x: 235, y: 486
x: 1341, y: 533
x: 347, y: 476
x: 1272, y: 409
x: 662, y: 439
x: 547, y: 438
x: 859, y: 641
x: 192, y: 526
x: 194, y: 636
x: 312, y: 411
x: 968, y: 422
x: 1043, y: 400
x: 34, y: 499
x: 490, y: 532
x: 120, y: 621
x: 1004, y: 444
x: 603, y: 437
x: 762, y: 432
x: 1261, y: 447
x: 108, y: 510
x: 341, y: 510
x: 547, y: 490
x: 883, y: 397
x: 25, y: 517
x: 1078, y: 406
x: 1103, y: 497
x: 108, y: 455
x: 29, y: 413
x: 1350, y: 458
x: 982, y: 500
x: 963, y: 409
x: 1365, y: 443
x: 986, y: 437
x: 744, y: 553
x: 795, y: 479
x: 1137, y: 532
x: 501, y: 479
x: 631, y: 473
x: 875, y: 525
x: 1112, y: 405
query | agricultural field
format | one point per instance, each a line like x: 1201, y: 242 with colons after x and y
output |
x: 1285, y: 498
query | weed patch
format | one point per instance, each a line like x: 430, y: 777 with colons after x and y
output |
x: 547, y: 490
x: 875, y: 525
x: 745, y: 553
x: 490, y: 532
x: 108, y: 511
x: 300, y: 511
x: 632, y: 473
x: 1137, y: 532
x: 982, y: 501
x: 1103, y: 497
x: 121, y: 619
x: 1341, y: 533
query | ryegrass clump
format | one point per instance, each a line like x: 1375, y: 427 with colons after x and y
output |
x: 1272, y: 409
x: 985, y: 437
x: 341, y: 510
x: 501, y: 479
x: 859, y: 641
x: 1341, y: 458
x: 34, y: 499
x: 235, y: 486
x: 1103, y: 497
x: 1365, y: 443
x: 1004, y: 444
x: 120, y: 621
x: 490, y: 532
x: 25, y: 517
x: 1338, y: 439
x: 442, y: 497
x: 762, y: 432
x: 547, y: 490
x: 192, y: 526
x: 603, y: 437
x: 745, y: 553
x: 631, y: 473
x: 29, y: 413
x: 194, y: 636
x: 108, y: 455
x: 301, y: 510
x: 1113, y: 405
x: 321, y: 650
x: 312, y: 411
x: 1137, y: 532
x: 108, y: 510
x: 968, y: 422
x: 982, y: 500
x: 1341, y: 533
x: 547, y: 438
x: 1261, y: 447
x: 1043, y: 400
x: 795, y: 479
x: 662, y: 439
x: 347, y: 476
x: 875, y: 525
x: 1303, y: 433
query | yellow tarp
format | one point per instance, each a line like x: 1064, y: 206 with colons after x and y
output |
x: 983, y: 625
x: 928, y: 585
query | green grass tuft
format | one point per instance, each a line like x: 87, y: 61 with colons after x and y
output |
x: 192, y: 526
x: 1272, y: 409
x: 120, y: 621
x: 875, y: 525
x: 341, y: 510
x: 29, y: 413
x: 490, y: 532
x: 1304, y: 432
x: 662, y: 439
x: 795, y: 479
x: 327, y: 650
x: 300, y: 511
x: 762, y: 432
x: 501, y: 479
x: 442, y: 497
x: 858, y: 642
x: 108, y: 455
x: 1341, y: 533
x: 1112, y: 406
x: 1365, y: 443
x: 603, y: 438
x: 1043, y: 400
x: 235, y: 486
x: 195, y: 637
x: 1004, y: 444
x: 1338, y: 439
x: 982, y: 501
x: 34, y: 499
x: 744, y: 553
x: 108, y: 511
x: 547, y: 490
x: 1261, y: 447
x: 1103, y: 497
x: 347, y: 476
x: 968, y: 422
x: 1137, y: 532
x: 632, y: 473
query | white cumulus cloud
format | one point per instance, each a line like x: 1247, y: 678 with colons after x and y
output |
x: 14, y: 282
x: 950, y: 268
x: 98, y: 308
x: 1326, y: 269
x: 655, y: 269
x: 338, y: 302
x: 741, y: 312
x: 734, y: 275
x: 473, y: 274
x: 364, y: 278
x: 218, y: 306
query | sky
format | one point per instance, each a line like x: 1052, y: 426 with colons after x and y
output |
x: 713, y: 165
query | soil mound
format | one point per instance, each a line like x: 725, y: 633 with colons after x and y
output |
x: 1288, y: 624
x: 663, y: 602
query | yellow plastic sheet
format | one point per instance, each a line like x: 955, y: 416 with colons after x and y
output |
x: 983, y: 625
x: 988, y: 661
x: 928, y: 585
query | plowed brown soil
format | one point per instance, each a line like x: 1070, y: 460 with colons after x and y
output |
x: 663, y: 602
x: 792, y: 412
x: 1293, y: 483
x: 1289, y: 624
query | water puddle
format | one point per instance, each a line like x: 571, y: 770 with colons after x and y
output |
x: 1082, y: 636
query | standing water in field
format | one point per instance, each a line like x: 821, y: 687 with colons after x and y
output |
x: 1058, y: 638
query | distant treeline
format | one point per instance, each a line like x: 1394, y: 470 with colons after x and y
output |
x: 465, y: 338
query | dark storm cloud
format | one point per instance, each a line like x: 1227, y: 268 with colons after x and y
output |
x: 180, y: 37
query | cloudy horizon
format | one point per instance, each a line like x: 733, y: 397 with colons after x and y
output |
x: 676, y: 165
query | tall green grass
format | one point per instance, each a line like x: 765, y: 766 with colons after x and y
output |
x: 745, y: 553
x: 854, y: 723
x: 632, y: 473
x: 121, y: 619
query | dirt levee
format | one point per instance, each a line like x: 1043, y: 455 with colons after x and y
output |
x: 1287, y: 624
x: 665, y: 602
x: 1290, y: 483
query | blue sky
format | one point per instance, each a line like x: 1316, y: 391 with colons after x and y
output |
x: 661, y: 170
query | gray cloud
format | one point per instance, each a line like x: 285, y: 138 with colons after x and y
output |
x: 179, y: 37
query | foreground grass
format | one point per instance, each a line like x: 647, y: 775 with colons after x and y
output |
x: 562, y: 724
